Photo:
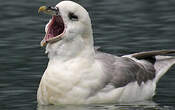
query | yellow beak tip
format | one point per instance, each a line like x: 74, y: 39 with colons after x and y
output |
x: 42, y: 9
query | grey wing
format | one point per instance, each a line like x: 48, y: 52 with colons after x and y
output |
x: 122, y: 70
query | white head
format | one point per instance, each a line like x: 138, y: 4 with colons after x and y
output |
x: 69, y: 32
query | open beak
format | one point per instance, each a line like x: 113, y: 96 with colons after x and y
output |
x: 48, y: 10
x: 56, y: 27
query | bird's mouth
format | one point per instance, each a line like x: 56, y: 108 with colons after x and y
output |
x: 55, y: 28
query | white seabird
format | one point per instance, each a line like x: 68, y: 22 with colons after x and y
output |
x: 79, y: 74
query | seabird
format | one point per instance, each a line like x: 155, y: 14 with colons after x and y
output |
x: 77, y: 73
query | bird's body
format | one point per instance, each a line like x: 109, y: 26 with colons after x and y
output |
x: 79, y: 74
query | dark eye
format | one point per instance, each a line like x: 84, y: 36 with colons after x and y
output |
x: 73, y: 17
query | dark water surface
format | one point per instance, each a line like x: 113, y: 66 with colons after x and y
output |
x: 120, y: 27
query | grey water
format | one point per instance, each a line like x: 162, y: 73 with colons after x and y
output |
x: 120, y: 27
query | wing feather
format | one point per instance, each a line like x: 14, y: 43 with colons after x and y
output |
x: 123, y: 70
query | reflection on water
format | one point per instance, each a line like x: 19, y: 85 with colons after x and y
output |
x: 120, y: 27
x: 145, y: 105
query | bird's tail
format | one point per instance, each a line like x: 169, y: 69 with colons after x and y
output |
x: 161, y: 63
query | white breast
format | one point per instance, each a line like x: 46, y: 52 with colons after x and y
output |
x: 69, y: 82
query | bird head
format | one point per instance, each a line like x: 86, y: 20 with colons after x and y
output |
x: 69, y: 20
x: 69, y: 27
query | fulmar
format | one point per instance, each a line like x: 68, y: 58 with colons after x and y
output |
x: 77, y: 73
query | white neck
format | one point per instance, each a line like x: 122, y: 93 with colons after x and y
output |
x: 68, y: 49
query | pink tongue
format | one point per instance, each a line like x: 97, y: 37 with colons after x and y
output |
x: 48, y: 36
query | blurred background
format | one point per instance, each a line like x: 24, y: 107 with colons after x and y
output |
x: 120, y: 27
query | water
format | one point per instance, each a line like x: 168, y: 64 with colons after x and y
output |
x: 120, y: 27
